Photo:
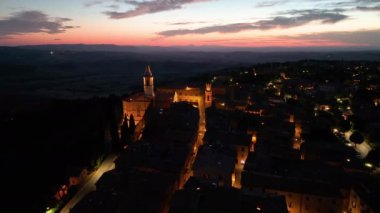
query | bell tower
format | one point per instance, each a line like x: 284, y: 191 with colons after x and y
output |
x: 148, y: 82
x: 208, y: 95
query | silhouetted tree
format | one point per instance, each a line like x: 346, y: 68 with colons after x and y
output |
x: 124, y: 131
x: 132, y: 127
x: 344, y: 125
x: 374, y: 156
x: 357, y: 138
x: 115, y: 140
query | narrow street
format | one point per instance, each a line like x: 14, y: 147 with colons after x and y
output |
x: 201, y: 133
x: 238, y: 170
x: 107, y: 165
x: 202, y: 122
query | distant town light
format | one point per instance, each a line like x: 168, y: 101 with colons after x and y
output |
x: 242, y: 162
x: 369, y: 165
x: 335, y: 130
x: 348, y: 160
x: 198, y: 188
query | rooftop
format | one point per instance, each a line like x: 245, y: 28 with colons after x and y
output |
x: 225, y: 200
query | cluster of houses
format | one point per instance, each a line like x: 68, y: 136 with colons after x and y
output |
x: 261, y: 152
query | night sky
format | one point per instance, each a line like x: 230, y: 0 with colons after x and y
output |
x: 242, y: 23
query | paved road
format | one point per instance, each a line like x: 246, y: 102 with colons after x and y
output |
x: 202, y: 121
x: 362, y: 149
x: 107, y: 164
x: 201, y: 132
x: 238, y: 170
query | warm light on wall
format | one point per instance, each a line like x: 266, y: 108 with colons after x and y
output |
x: 233, y: 179
x: 175, y: 99
x: 291, y: 118
x: 254, y: 140
x: 208, y: 87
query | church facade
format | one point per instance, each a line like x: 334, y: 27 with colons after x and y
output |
x: 138, y: 103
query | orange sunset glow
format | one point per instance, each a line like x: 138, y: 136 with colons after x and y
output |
x: 191, y: 22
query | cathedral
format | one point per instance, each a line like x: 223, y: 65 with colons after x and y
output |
x: 138, y: 103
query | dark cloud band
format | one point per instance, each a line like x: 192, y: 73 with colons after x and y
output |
x: 298, y: 18
x: 146, y: 7
x: 32, y: 22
